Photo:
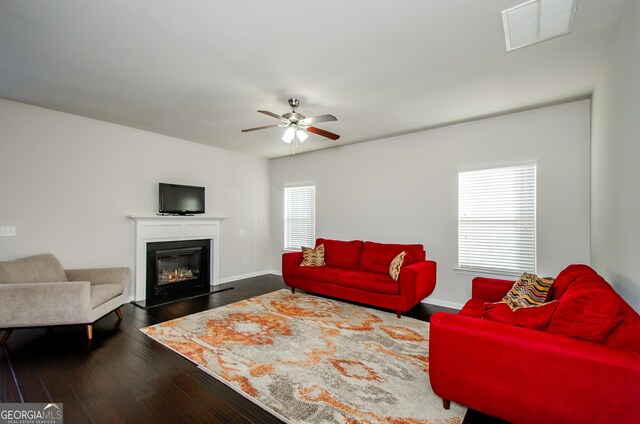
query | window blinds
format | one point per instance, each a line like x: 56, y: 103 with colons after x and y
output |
x: 299, y: 217
x: 497, y: 219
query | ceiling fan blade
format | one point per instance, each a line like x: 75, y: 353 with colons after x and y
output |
x: 323, y: 133
x: 275, y: 115
x: 316, y: 119
x: 260, y: 128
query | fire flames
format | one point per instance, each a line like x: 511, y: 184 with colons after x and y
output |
x: 175, y: 275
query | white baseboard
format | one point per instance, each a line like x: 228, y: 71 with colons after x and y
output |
x: 444, y: 303
x: 275, y: 272
x: 243, y: 276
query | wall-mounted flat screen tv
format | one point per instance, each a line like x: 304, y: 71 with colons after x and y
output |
x: 180, y: 199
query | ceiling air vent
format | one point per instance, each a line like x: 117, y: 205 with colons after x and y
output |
x: 537, y: 20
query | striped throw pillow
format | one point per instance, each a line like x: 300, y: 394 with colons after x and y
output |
x: 396, y: 264
x: 313, y: 257
x: 529, y: 290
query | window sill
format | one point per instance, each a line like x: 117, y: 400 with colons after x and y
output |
x: 480, y: 272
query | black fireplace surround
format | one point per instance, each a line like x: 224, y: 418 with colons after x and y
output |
x: 175, y: 266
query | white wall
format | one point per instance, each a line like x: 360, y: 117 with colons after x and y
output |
x: 404, y: 189
x: 615, y: 248
x: 67, y: 183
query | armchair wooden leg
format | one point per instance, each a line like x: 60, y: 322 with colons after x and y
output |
x: 293, y: 289
x: 119, y: 313
x: 89, y: 331
x: 399, y: 314
x: 446, y: 403
x: 5, y: 336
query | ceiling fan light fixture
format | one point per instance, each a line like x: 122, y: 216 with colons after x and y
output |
x: 297, y: 125
x: 302, y: 136
x: 289, y: 135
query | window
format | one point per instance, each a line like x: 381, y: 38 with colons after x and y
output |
x: 299, y: 217
x: 497, y: 219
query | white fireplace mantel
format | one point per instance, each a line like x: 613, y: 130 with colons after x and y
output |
x: 155, y: 228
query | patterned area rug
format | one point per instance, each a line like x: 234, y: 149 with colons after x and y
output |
x: 307, y: 359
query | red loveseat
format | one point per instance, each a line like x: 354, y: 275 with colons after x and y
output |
x: 359, y: 271
x: 582, y: 365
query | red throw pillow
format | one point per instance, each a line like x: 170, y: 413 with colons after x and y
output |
x: 533, y: 317
x: 586, y: 312
x: 536, y: 317
x: 566, y: 278
x: 498, y: 312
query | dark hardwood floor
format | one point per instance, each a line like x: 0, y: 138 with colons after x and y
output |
x: 122, y: 376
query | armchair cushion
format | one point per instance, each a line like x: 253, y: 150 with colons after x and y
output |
x: 118, y: 275
x: 33, y: 269
x: 101, y: 293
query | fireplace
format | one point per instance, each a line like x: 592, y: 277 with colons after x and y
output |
x: 152, y: 229
x: 176, y: 266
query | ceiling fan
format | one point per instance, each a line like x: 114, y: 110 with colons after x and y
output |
x: 297, y: 125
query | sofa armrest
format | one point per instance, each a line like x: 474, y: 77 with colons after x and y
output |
x: 489, y: 289
x: 418, y: 278
x: 99, y: 275
x: 289, y: 261
x: 522, y: 375
x: 50, y: 303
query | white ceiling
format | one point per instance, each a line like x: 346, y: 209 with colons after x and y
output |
x: 199, y: 69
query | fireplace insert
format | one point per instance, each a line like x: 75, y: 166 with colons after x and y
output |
x: 175, y: 266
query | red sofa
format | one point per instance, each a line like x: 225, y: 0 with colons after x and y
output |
x: 582, y: 365
x: 359, y: 271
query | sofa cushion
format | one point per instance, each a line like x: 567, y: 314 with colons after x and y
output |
x: 396, y: 265
x: 102, y: 293
x: 533, y: 317
x: 33, y: 269
x: 341, y: 254
x: 529, y: 290
x: 313, y: 257
x: 324, y: 274
x: 566, y: 278
x: 588, y: 310
x: 626, y: 334
x: 368, y: 281
x: 376, y: 257
x: 473, y: 308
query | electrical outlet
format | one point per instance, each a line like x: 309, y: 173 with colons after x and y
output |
x: 7, y: 231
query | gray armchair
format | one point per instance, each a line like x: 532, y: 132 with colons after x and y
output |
x: 36, y: 291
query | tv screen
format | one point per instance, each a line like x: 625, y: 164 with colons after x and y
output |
x: 180, y: 199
